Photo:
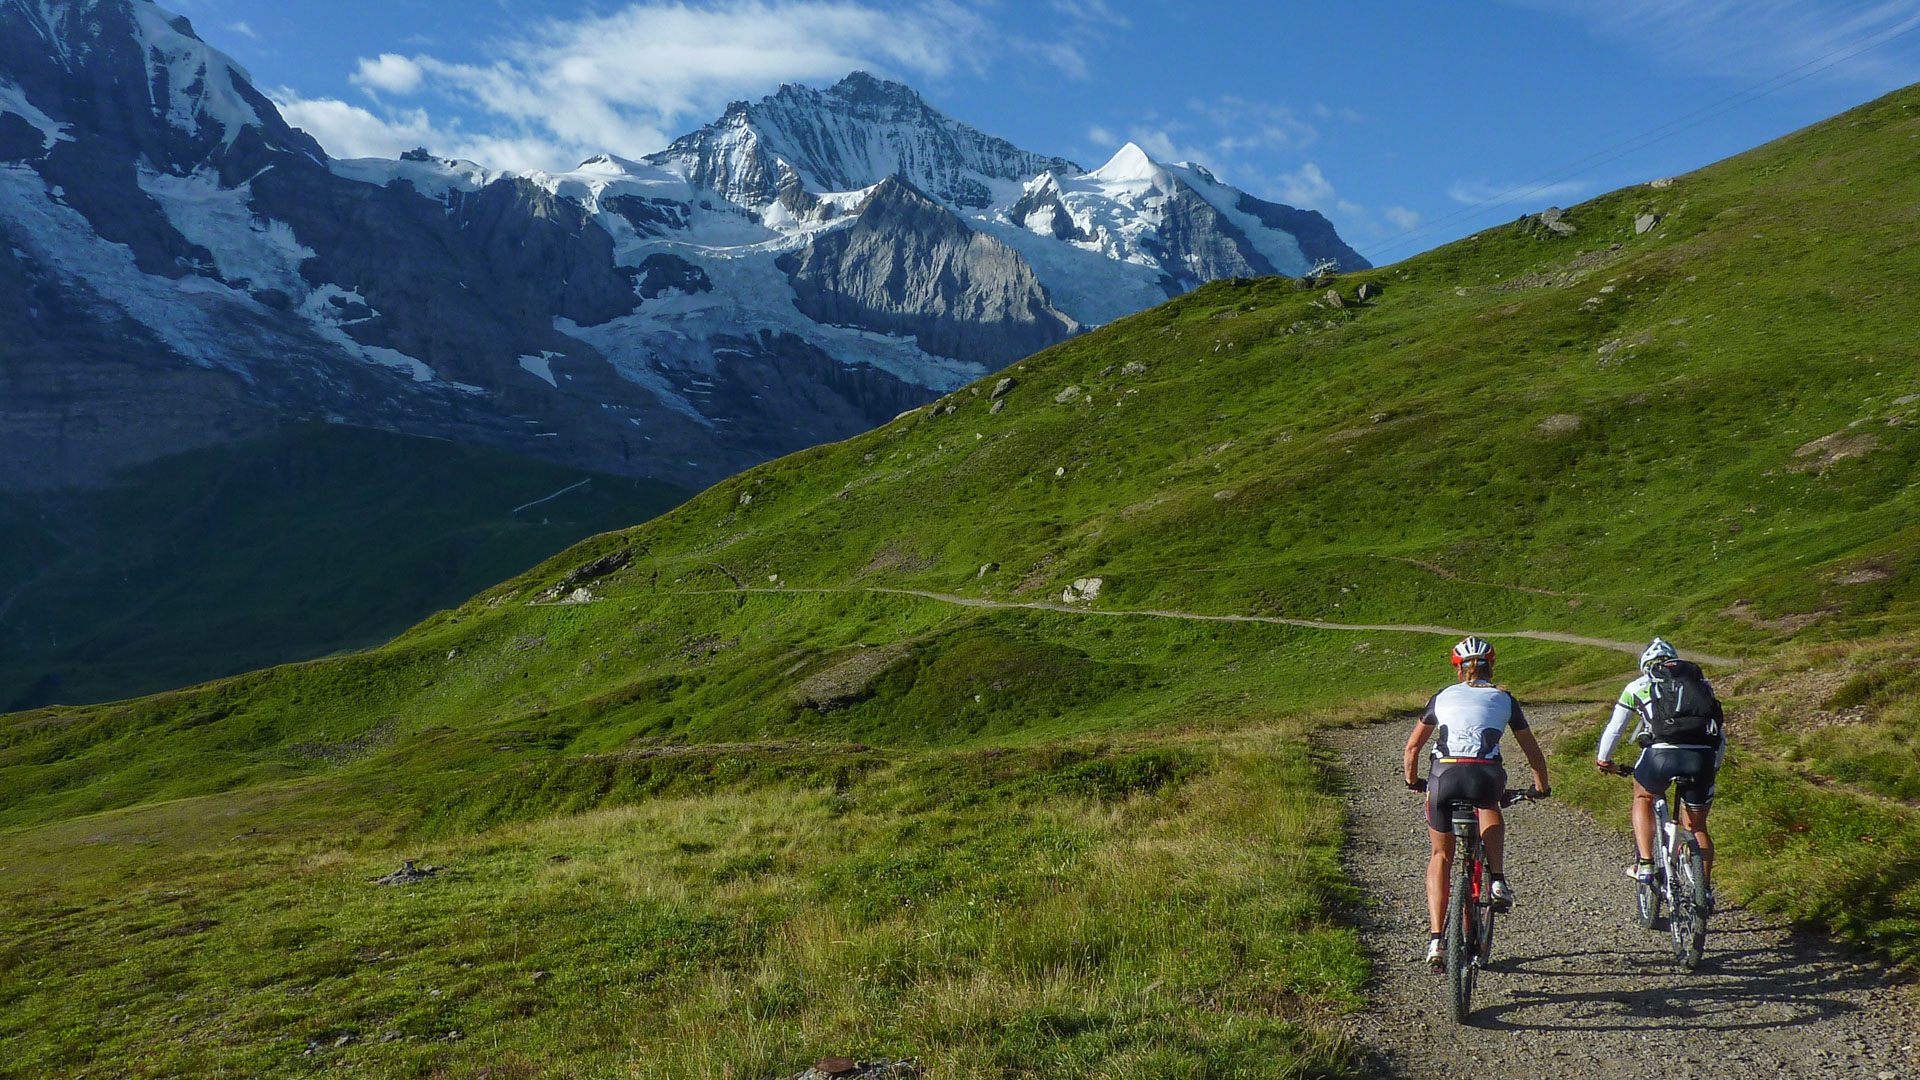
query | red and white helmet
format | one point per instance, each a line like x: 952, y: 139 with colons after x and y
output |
x: 1472, y: 648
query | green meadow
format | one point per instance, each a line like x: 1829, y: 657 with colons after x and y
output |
x: 768, y: 777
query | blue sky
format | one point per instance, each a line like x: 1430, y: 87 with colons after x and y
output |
x: 1398, y: 120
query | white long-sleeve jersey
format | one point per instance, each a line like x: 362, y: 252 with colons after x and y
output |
x: 1632, y: 700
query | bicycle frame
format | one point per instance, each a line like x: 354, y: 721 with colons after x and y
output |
x: 1469, y: 918
x: 1468, y: 926
x: 1679, y: 881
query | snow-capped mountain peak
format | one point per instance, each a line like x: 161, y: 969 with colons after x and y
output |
x: 197, y: 82
x: 182, y: 99
x: 806, y: 265
x: 851, y: 135
x: 1130, y: 164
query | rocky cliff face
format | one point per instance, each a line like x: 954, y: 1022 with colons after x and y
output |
x: 182, y: 267
x: 908, y: 265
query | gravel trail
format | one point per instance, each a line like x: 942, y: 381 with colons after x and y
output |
x: 1577, y: 989
x: 1630, y: 647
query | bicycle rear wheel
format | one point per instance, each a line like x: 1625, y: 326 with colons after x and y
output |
x: 1689, y: 915
x: 1460, y: 936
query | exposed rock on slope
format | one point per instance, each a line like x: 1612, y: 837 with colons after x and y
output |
x: 909, y: 266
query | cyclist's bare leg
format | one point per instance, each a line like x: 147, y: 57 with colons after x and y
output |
x: 1643, y: 820
x: 1439, y: 866
x: 1493, y: 838
x: 1696, y: 823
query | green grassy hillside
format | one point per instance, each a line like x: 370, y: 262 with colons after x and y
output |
x: 770, y: 776
x: 316, y: 539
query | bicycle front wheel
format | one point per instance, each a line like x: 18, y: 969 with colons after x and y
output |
x: 1647, y: 904
x: 1483, y: 939
x: 1460, y: 936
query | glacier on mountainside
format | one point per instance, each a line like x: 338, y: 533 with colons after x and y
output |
x: 14, y: 100
x: 806, y: 265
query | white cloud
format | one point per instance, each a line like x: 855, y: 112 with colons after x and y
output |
x: 1228, y: 135
x: 1092, y: 11
x: 621, y: 81
x: 390, y: 72
x: 1306, y: 187
x: 1402, y: 218
x: 243, y: 30
x: 346, y: 130
x: 349, y: 131
x: 1253, y: 125
x: 1473, y: 192
x: 1065, y: 56
x: 1755, y: 39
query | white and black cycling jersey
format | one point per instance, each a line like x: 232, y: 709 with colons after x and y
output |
x: 1471, y: 718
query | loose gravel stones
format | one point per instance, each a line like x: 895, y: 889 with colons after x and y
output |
x: 1577, y: 989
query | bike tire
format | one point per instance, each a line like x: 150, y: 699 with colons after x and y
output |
x: 1483, y: 939
x: 1690, y: 946
x: 1679, y: 904
x: 1459, y: 938
x: 1647, y: 904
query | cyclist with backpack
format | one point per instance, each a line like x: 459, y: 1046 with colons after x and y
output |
x: 1466, y: 721
x: 1680, y: 725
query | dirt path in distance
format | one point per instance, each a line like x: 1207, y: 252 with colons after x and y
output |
x: 1577, y: 990
x: 1630, y: 647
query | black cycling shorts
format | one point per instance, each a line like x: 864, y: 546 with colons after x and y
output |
x: 1478, y: 782
x: 1690, y: 771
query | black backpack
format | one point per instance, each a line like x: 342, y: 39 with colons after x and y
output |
x: 1680, y: 705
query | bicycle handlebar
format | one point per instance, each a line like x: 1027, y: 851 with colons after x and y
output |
x: 1509, y: 797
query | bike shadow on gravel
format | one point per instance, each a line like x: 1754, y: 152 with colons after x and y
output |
x: 1754, y: 981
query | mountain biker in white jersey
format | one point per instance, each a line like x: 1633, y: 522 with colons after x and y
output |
x: 1469, y: 717
x: 1690, y: 764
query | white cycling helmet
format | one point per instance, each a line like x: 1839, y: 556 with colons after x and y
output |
x: 1656, y: 652
x: 1472, y: 648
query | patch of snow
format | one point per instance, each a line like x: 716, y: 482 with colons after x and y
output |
x: 750, y: 293
x: 202, y: 82
x: 540, y: 367
x: 397, y: 360
x: 259, y: 250
x: 264, y: 254
x: 1094, y: 283
x: 633, y: 357
x: 329, y: 322
x: 14, y: 100
x: 195, y: 317
x: 606, y: 175
x: 435, y: 179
